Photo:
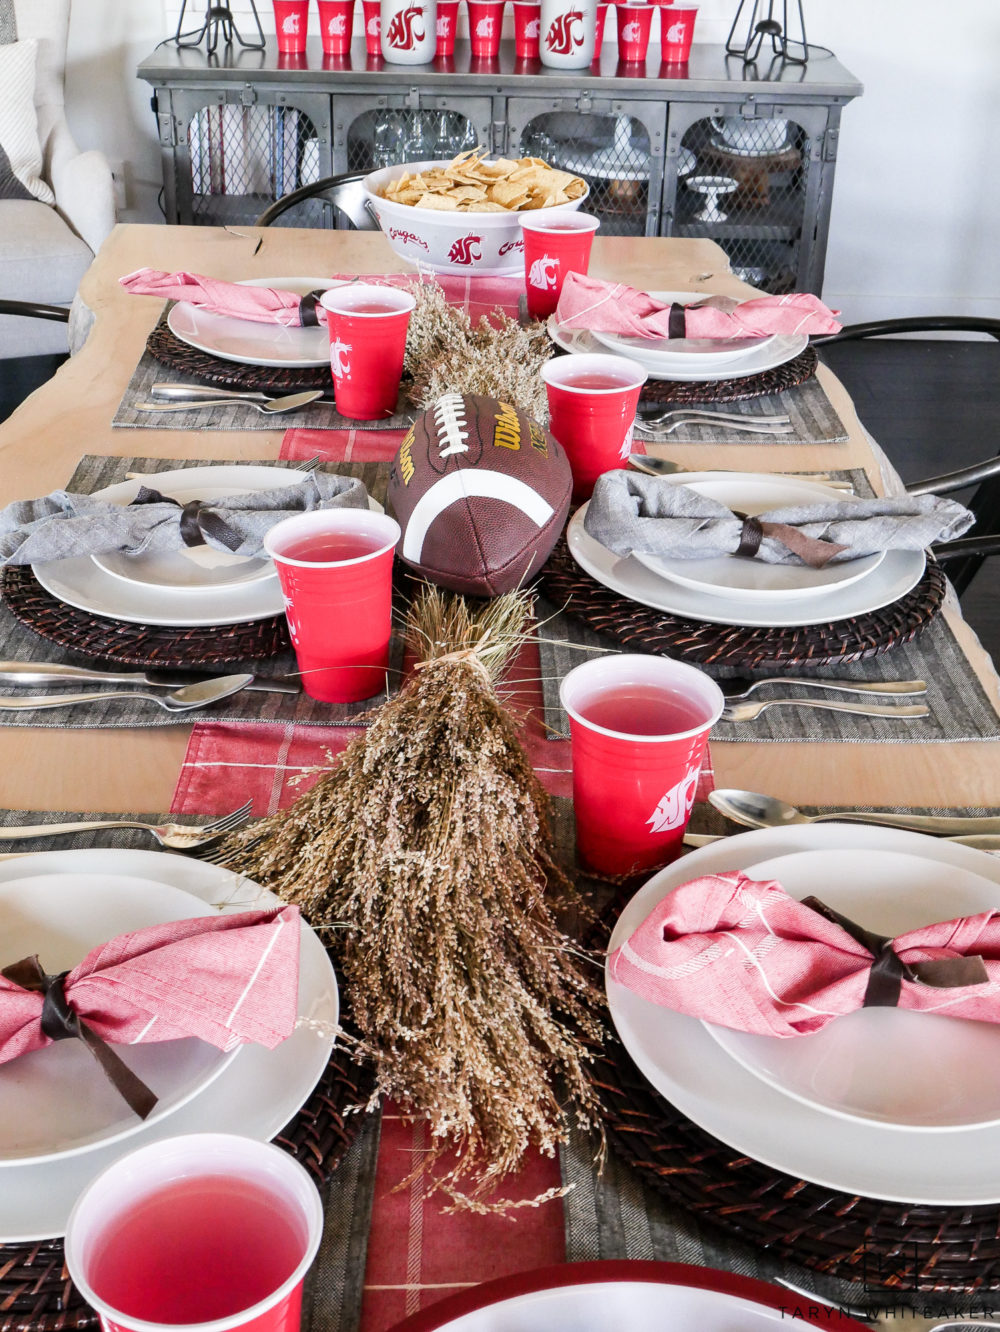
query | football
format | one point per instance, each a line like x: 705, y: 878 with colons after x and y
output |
x: 481, y: 492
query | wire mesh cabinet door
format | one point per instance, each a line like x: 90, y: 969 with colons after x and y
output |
x: 372, y: 131
x: 237, y: 149
x: 758, y: 179
x: 616, y: 145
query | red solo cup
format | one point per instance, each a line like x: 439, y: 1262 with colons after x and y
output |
x: 676, y: 33
x: 367, y: 326
x: 555, y: 243
x: 336, y: 25
x: 291, y: 20
x: 634, y: 23
x: 592, y: 403
x: 485, y: 22
x: 447, y: 25
x: 373, y: 27
x: 639, y: 725
x: 527, y: 25
x: 335, y: 570
x: 146, y: 1232
x: 602, y: 18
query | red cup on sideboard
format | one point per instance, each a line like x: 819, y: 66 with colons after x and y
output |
x: 592, y: 404
x: 635, y: 22
x: 336, y: 23
x: 242, y: 1218
x: 677, y: 32
x: 447, y: 26
x: 602, y: 18
x: 335, y: 570
x: 291, y: 22
x: 527, y: 24
x: 639, y: 725
x: 373, y: 27
x: 554, y: 244
x: 485, y: 23
x: 367, y: 326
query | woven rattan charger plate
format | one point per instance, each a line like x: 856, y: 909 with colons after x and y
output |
x: 643, y: 629
x: 36, y: 1294
x: 782, y: 377
x: 165, y: 347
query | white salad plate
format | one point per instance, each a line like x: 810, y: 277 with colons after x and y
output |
x: 688, y: 1067
x: 683, y: 353
x: 900, y: 571
x: 752, y: 580
x: 252, y: 342
x: 56, y: 1101
x: 256, y: 1095
x: 898, y: 1068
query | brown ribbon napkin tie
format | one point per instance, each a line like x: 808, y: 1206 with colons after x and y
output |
x: 811, y: 550
x: 197, y: 520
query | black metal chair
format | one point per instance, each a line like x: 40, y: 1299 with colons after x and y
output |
x: 332, y: 201
x: 966, y: 555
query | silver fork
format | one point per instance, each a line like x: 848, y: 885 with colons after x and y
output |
x: 176, y: 836
x: 775, y: 418
x: 645, y: 428
x: 744, y: 712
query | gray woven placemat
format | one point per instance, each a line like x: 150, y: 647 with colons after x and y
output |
x: 813, y: 418
x: 18, y: 643
x: 239, y: 416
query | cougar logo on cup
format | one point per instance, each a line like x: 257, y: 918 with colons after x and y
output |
x: 407, y: 237
x: 466, y: 250
x: 532, y: 28
x: 632, y: 32
x: 565, y: 33
x: 290, y: 23
x: 373, y: 26
x: 339, y: 363
x: 542, y: 273
x: 402, y: 31
x: 444, y: 25
x: 673, y: 808
x: 337, y: 25
x: 675, y: 33
x: 627, y: 441
x: 507, y: 246
x: 484, y: 28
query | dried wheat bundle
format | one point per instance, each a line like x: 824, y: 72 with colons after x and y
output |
x: 447, y: 353
x: 429, y: 844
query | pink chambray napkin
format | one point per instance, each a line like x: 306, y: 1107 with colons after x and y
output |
x: 228, y: 980
x: 743, y: 954
x: 263, y: 305
x: 612, y: 307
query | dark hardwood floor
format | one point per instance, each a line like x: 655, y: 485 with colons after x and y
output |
x: 934, y: 406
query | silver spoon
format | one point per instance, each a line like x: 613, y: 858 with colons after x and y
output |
x: 185, y: 699
x: 764, y: 811
x: 269, y: 407
x: 647, y: 462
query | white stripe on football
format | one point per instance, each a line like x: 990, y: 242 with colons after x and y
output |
x: 464, y: 485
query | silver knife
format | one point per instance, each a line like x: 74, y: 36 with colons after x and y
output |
x: 42, y: 673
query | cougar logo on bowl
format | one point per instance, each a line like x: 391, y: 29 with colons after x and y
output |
x: 339, y: 363
x: 542, y: 273
x: 290, y: 23
x: 406, y: 237
x: 402, y: 32
x: 672, y: 809
x: 565, y: 33
x: 466, y: 250
x: 507, y: 246
x: 632, y: 32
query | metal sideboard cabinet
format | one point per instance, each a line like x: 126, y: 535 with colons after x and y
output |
x: 714, y: 148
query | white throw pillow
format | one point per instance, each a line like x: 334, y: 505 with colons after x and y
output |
x: 20, y: 151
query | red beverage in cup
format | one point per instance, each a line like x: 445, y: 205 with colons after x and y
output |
x: 676, y: 32
x: 367, y: 326
x: 291, y: 21
x: 373, y: 27
x: 639, y: 726
x: 336, y: 25
x: 335, y: 569
x: 485, y: 22
x: 634, y: 24
x: 527, y: 25
x: 555, y: 243
x: 209, y: 1230
x: 592, y: 404
x: 447, y: 26
x: 602, y: 18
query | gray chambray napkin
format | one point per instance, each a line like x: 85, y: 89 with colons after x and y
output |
x: 64, y: 525
x: 632, y: 513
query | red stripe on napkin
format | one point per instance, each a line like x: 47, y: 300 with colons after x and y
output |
x: 340, y: 445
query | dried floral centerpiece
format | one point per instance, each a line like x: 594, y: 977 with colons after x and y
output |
x: 427, y: 847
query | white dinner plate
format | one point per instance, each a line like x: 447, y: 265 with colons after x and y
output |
x: 256, y: 1095
x: 752, y: 580
x: 898, y: 1068
x: 900, y: 571
x: 56, y: 1102
x: 688, y: 1067
x: 784, y: 347
x: 251, y: 342
x: 683, y: 353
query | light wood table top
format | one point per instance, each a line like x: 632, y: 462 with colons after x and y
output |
x: 53, y: 768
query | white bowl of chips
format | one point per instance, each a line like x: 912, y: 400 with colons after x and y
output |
x: 461, y: 216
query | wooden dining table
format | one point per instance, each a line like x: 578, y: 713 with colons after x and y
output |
x: 54, y: 768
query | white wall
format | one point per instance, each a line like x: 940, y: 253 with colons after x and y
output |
x: 917, y: 200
